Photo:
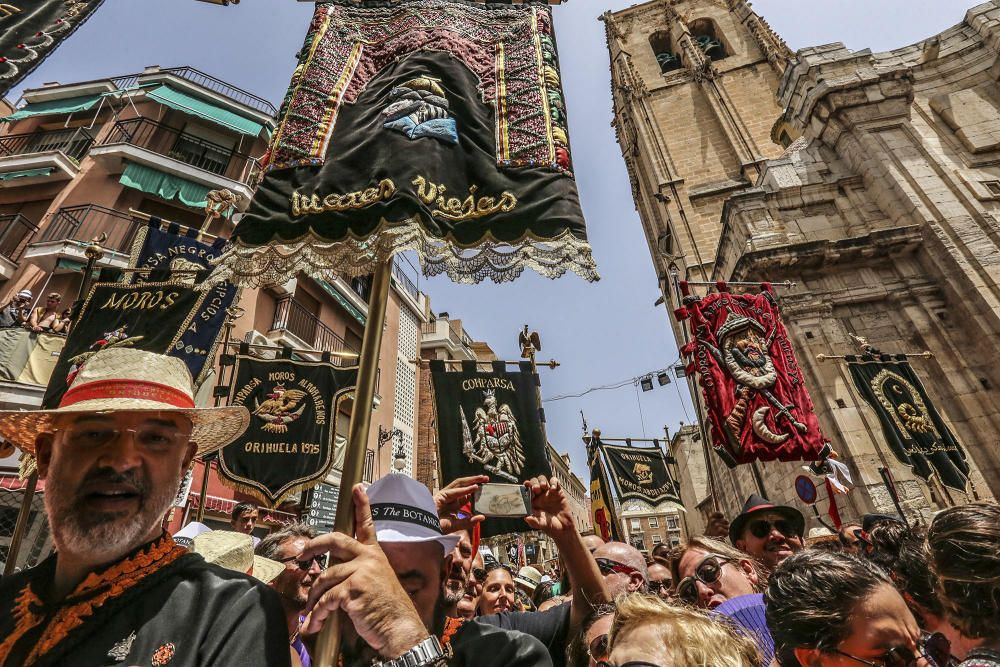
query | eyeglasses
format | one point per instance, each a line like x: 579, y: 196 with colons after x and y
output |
x: 607, y: 566
x: 707, y: 572
x: 935, y: 648
x: 598, y: 648
x: 306, y: 565
x: 761, y: 528
x: 656, y: 586
x: 152, y: 437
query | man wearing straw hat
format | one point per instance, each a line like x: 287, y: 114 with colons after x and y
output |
x: 119, y: 590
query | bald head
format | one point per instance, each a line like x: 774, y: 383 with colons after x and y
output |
x: 592, y: 542
x: 621, y: 582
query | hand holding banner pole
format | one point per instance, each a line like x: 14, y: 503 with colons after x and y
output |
x: 328, y: 641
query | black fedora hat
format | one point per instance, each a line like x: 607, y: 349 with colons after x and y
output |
x: 756, y: 505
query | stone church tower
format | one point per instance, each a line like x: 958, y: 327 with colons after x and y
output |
x: 871, y: 181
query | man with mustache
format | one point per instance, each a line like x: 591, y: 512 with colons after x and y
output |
x: 294, y: 582
x: 119, y: 590
x: 768, y: 532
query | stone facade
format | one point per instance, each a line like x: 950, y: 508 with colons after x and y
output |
x: 576, y: 491
x: 868, y: 180
x: 645, y: 526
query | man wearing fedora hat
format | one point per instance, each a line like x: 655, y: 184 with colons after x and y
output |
x: 118, y: 590
x: 768, y: 532
x: 387, y: 580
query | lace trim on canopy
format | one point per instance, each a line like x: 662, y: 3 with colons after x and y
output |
x: 500, y: 261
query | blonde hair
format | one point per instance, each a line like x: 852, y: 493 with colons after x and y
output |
x: 711, y: 546
x: 693, y: 638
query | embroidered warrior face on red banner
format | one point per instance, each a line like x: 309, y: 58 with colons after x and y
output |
x: 757, y: 403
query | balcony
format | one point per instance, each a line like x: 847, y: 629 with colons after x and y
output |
x: 206, y: 81
x: 71, y: 229
x: 170, y: 150
x: 442, y: 333
x: 16, y: 232
x: 292, y: 317
x: 42, y: 156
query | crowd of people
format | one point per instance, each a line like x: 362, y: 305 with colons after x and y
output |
x: 48, y: 318
x: 412, y: 586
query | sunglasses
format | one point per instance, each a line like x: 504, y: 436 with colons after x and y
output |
x: 935, y: 648
x: 598, y: 648
x: 707, y: 572
x: 761, y: 528
x: 656, y: 586
x: 607, y: 566
x: 305, y: 565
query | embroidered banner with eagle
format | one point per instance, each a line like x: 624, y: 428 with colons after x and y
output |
x: 489, y: 424
x: 755, y: 394
x: 289, y: 446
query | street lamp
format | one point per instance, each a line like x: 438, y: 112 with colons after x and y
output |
x: 399, y: 458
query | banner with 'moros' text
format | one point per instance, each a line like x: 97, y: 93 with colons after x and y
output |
x: 150, y: 316
x: 289, y: 446
x: 161, y: 245
x: 30, y: 30
x: 640, y: 474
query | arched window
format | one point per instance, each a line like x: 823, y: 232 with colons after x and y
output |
x: 706, y: 36
x: 662, y: 49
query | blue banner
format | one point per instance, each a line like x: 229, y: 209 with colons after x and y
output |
x: 162, y: 245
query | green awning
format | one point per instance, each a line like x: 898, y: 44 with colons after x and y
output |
x: 154, y: 182
x: 194, y: 106
x: 67, y: 105
x: 339, y: 298
x: 24, y: 173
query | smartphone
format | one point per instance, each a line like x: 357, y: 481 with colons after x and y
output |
x: 502, y: 500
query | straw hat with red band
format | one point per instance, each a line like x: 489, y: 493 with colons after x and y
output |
x: 127, y: 380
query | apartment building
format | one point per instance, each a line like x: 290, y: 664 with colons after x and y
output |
x: 75, y: 158
x: 646, y: 526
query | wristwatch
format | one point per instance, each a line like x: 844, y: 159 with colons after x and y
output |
x: 425, y: 654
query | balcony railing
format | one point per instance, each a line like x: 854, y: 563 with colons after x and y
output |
x: 458, y: 338
x: 187, y: 148
x: 408, y: 285
x: 16, y: 232
x: 72, y: 142
x: 86, y: 222
x: 293, y: 317
x: 205, y: 81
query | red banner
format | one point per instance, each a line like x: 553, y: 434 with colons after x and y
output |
x: 757, y: 403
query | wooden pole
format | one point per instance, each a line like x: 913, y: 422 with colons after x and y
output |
x: 328, y: 640
x: 22, y: 524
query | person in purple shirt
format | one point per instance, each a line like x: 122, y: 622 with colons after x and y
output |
x: 294, y: 583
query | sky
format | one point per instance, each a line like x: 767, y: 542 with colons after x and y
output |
x: 603, y: 333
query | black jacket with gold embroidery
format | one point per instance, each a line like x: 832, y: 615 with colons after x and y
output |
x: 177, y: 611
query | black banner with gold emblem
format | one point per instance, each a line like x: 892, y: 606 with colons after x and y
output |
x: 602, y: 506
x: 640, y: 474
x: 30, y: 30
x: 152, y: 316
x: 489, y: 424
x: 289, y: 445
x: 915, y: 431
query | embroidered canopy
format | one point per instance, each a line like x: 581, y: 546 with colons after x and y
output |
x: 430, y: 125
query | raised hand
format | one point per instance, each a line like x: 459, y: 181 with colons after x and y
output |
x: 363, y: 585
x: 550, y: 512
x: 450, y: 499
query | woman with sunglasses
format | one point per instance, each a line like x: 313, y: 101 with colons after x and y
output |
x: 648, y: 632
x: 709, y: 572
x: 964, y: 548
x: 834, y: 610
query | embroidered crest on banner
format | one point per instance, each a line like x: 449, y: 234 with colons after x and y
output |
x: 281, y: 408
x: 495, y: 441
